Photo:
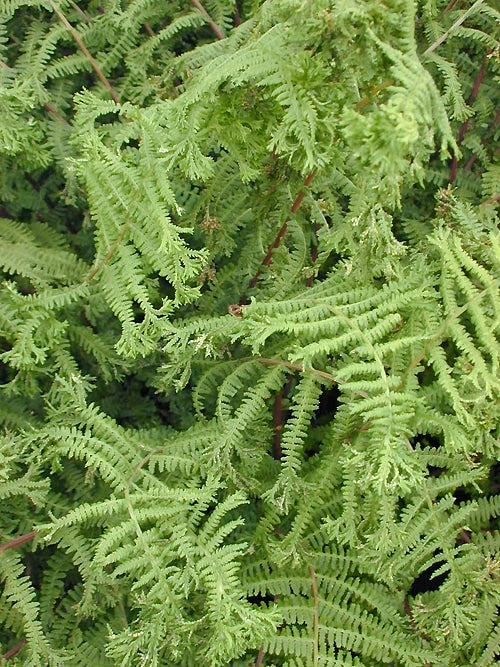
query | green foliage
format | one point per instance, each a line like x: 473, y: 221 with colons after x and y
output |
x: 249, y: 333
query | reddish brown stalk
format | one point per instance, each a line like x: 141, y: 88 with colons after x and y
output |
x: 260, y: 658
x: 93, y: 272
x: 454, y: 160
x: 51, y: 109
x: 314, y: 256
x: 314, y: 590
x: 269, y: 254
x: 48, y: 107
x: 448, y: 7
x: 277, y: 425
x: 470, y: 162
x: 376, y: 89
x: 36, y: 188
x: 298, y: 199
x: 84, y: 16
x: 281, y: 233
x: 495, y: 122
x: 215, y: 28
x: 4, y: 213
x: 479, y: 79
x: 409, y: 613
x: 13, y: 651
x: 86, y: 53
x: 17, y: 541
x: 484, y: 141
x: 491, y: 200
x: 465, y: 124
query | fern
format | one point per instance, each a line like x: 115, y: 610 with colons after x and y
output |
x: 249, y: 346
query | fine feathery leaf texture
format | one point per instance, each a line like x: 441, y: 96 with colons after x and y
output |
x: 249, y: 333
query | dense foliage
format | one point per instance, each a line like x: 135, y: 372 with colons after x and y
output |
x: 249, y: 347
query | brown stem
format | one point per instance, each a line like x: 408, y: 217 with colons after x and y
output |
x: 17, y: 541
x: 294, y: 367
x: 142, y: 463
x: 479, y: 79
x: 86, y: 53
x: 51, y: 109
x: 269, y: 254
x: 484, y: 141
x: 92, y: 273
x: 314, y: 589
x: 48, y: 107
x: 215, y: 28
x: 376, y: 89
x: 465, y: 124
x: 491, y: 200
x: 437, y: 337
x: 298, y: 199
x: 79, y: 11
x: 277, y: 425
x: 314, y: 256
x: 448, y: 8
x: 13, y: 651
x: 281, y: 233
x: 86, y: 18
x: 36, y: 187
x: 454, y: 161
x: 301, y: 369
x: 4, y: 213
x: 446, y: 34
x: 409, y: 613
x: 470, y: 162
x: 260, y: 658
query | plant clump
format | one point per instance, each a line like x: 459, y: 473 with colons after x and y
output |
x: 249, y: 333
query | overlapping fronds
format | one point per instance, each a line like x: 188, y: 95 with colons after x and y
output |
x: 249, y: 333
